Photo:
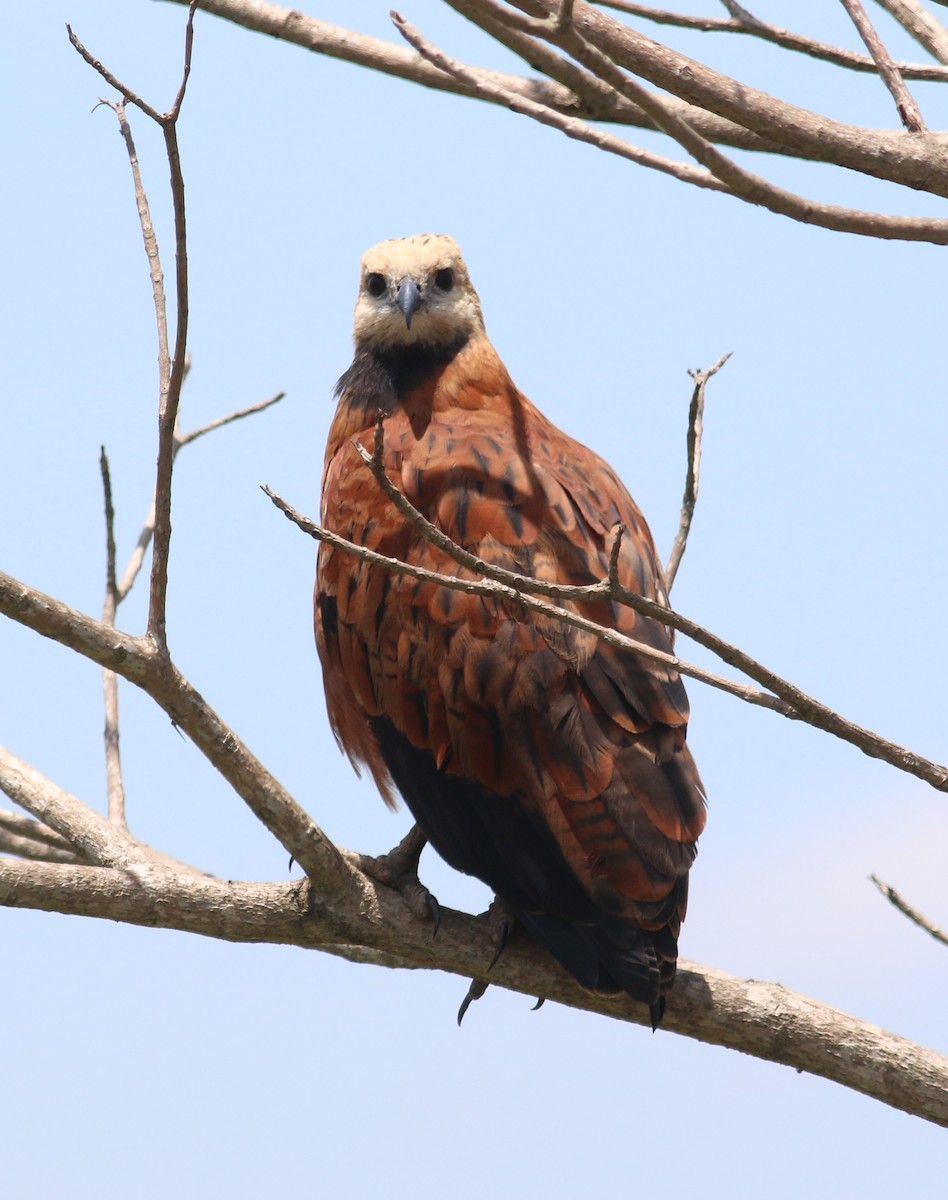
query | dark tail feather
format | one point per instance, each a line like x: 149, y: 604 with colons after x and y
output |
x: 609, y: 956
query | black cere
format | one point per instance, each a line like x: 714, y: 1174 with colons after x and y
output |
x: 375, y: 284
x: 444, y: 279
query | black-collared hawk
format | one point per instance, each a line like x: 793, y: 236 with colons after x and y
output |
x: 533, y: 756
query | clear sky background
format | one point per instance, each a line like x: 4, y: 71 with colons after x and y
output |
x: 149, y: 1064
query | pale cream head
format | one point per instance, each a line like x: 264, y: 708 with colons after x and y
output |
x: 415, y: 291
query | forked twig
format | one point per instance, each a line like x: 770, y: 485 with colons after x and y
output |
x: 695, y: 432
x: 171, y: 369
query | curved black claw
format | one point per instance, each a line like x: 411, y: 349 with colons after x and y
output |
x: 434, y: 909
x: 501, y: 921
x: 502, y: 937
x: 541, y: 1000
x: 474, y: 992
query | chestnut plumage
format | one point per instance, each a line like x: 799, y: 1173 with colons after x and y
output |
x: 533, y: 755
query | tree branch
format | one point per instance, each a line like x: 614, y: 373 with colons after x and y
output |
x: 927, y: 30
x: 915, y: 161
x: 28, y: 838
x: 761, y: 1019
x: 743, y: 184
x: 790, y: 131
x: 139, y: 661
x: 96, y: 839
x: 778, y: 36
x: 907, y: 108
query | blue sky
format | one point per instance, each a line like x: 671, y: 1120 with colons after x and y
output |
x: 152, y: 1064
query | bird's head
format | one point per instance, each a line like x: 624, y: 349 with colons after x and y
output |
x: 416, y: 292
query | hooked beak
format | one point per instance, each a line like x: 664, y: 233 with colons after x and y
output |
x: 409, y: 299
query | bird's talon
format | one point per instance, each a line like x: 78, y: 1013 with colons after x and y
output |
x: 474, y: 992
x: 503, y: 935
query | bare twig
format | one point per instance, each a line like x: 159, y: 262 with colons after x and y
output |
x: 134, y: 564
x: 695, y: 431
x: 913, y: 914
x: 115, y: 788
x: 721, y: 173
x: 571, y: 126
x: 506, y: 585
x: 904, y: 101
x: 219, y: 422
x: 490, y: 580
x: 171, y: 369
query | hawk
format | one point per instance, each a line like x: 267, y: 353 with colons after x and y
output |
x: 533, y: 756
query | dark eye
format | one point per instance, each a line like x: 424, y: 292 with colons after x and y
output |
x: 444, y: 279
x: 375, y: 284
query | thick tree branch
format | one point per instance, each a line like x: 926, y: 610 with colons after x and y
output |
x: 917, y: 162
x: 741, y: 183
x: 761, y: 1019
x: 927, y: 30
x: 139, y: 661
x: 778, y: 128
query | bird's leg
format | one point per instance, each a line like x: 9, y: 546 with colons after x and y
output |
x: 399, y: 870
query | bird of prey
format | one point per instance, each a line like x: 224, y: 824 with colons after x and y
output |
x: 533, y: 755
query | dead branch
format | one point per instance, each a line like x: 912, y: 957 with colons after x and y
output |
x: 762, y: 1019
